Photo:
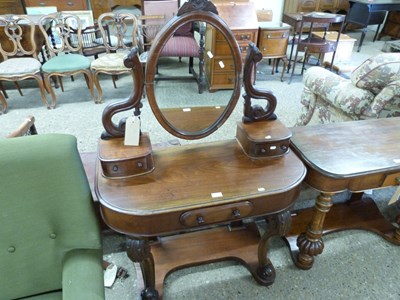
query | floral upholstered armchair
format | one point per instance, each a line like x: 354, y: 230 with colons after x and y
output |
x: 373, y: 91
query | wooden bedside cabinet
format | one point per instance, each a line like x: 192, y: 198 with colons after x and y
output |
x: 242, y: 20
x: 273, y: 40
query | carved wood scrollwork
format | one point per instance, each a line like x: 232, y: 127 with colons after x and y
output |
x: 256, y: 112
x: 193, y: 5
x: 132, y: 102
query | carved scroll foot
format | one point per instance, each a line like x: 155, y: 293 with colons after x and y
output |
x: 138, y: 251
x: 310, y: 243
x: 277, y: 224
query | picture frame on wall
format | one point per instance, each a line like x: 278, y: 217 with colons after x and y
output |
x: 86, y: 17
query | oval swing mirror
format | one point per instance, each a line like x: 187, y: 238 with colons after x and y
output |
x: 177, y: 83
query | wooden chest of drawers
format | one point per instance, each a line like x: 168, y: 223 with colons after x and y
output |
x: 61, y: 5
x: 242, y: 20
x: 11, y: 7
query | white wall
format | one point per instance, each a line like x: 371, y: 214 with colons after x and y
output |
x: 275, y: 5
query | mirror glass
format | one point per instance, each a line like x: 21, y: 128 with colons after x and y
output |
x: 183, y: 100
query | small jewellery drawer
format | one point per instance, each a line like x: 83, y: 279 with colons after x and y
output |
x: 216, y: 214
x: 126, y: 168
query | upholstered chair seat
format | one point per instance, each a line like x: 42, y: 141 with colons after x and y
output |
x: 66, y: 63
x: 181, y: 46
x: 111, y: 61
x: 372, y: 91
x: 18, y: 66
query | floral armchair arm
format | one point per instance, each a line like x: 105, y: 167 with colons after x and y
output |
x: 386, y: 103
x: 334, y: 90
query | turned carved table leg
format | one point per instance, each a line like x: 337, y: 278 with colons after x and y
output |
x: 138, y: 251
x: 310, y: 242
x: 277, y: 224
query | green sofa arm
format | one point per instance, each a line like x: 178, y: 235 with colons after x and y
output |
x: 82, y: 275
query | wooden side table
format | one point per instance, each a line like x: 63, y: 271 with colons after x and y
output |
x: 273, y: 40
x: 353, y: 156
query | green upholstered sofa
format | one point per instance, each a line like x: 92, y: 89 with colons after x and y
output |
x: 50, y: 245
x: 373, y: 91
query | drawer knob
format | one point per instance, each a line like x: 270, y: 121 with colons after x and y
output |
x: 236, y: 213
x: 115, y: 168
x: 140, y: 165
x: 268, y: 36
x: 200, y: 220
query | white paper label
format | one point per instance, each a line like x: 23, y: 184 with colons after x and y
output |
x: 221, y: 64
x: 210, y: 55
x: 216, y: 195
x: 132, y: 131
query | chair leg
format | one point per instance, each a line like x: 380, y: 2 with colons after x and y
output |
x: 46, y: 79
x: 3, y: 103
x: 39, y: 80
x: 3, y: 90
x: 18, y: 88
x: 98, y: 87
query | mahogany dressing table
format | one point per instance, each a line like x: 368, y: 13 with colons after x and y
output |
x: 197, y: 203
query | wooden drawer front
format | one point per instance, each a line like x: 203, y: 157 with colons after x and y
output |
x: 61, y: 5
x: 223, y: 213
x: 227, y: 78
x: 244, y: 37
x: 307, y: 5
x: 222, y: 49
x: 223, y: 65
x: 126, y: 168
x: 391, y: 179
x: 275, y: 34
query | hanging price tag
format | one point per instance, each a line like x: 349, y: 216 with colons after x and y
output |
x: 132, y: 131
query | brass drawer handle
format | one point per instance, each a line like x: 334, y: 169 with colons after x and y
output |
x: 200, y: 220
x: 69, y: 3
x: 42, y: 4
x: 236, y: 213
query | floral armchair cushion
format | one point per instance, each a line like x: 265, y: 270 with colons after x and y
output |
x: 377, y: 72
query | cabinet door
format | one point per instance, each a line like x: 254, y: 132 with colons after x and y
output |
x: 11, y: 7
x: 342, y: 5
x: 327, y: 5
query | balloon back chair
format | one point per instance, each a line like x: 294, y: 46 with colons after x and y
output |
x: 65, y: 50
x: 123, y: 36
x: 19, y: 53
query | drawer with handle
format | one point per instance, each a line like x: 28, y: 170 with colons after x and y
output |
x: 216, y: 214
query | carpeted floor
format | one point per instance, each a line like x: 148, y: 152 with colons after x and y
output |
x: 354, y: 265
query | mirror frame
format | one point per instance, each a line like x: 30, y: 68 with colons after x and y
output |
x: 151, y: 69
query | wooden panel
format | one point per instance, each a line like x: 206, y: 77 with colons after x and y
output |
x: 61, y: 5
x: 11, y: 7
